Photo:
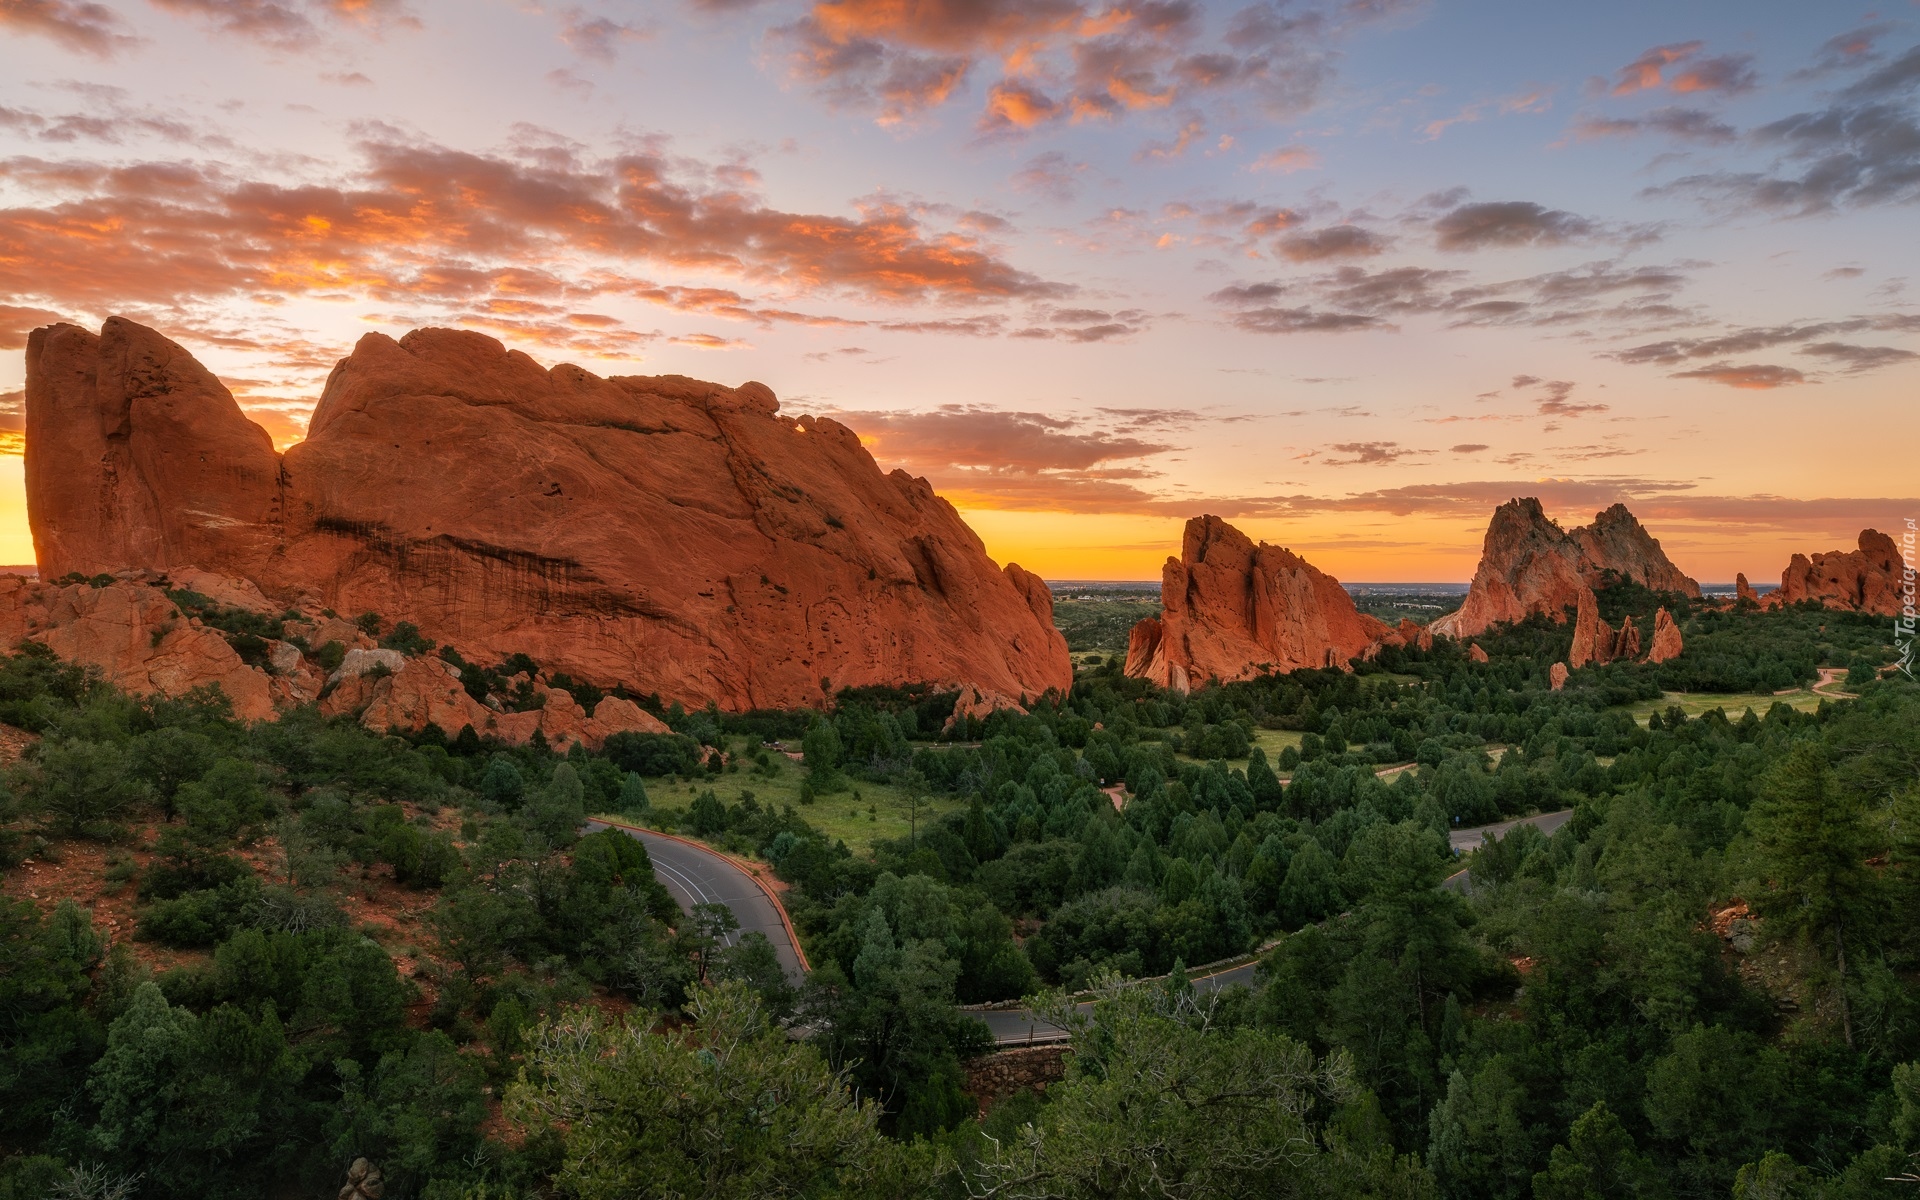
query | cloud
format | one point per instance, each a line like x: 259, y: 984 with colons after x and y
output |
x: 1286, y: 160
x: 597, y: 37
x: 285, y: 24
x: 1685, y: 124
x: 1468, y: 448
x: 1534, y: 100
x: 1052, y: 174
x: 1369, y: 454
x: 83, y: 28
x: 425, y: 224
x: 1508, y: 223
x: 16, y: 321
x: 1860, y: 151
x: 973, y: 436
x: 1753, y: 339
x: 1338, y: 241
x: 1052, y: 60
x: 1731, y: 74
x: 1755, y: 376
x: 1645, y: 73
x: 1856, y: 359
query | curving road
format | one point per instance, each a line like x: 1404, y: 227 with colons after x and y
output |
x: 696, y: 875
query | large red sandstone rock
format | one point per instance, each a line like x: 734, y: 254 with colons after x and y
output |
x: 1476, y: 654
x: 675, y: 536
x: 1590, y: 642
x: 1557, y: 676
x: 1666, y: 638
x: 1530, y: 565
x: 1230, y: 609
x: 1742, y: 590
x: 1866, y: 580
x: 135, y: 635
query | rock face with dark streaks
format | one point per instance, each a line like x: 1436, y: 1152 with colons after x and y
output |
x: 1666, y: 638
x: 674, y: 536
x: 1232, y: 609
x: 1530, y: 565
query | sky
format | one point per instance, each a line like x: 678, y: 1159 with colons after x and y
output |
x: 1348, y: 273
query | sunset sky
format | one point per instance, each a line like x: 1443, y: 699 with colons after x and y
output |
x: 1346, y: 272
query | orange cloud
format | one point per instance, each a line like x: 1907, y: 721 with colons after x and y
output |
x: 1286, y: 160
x: 84, y: 28
x: 1644, y: 73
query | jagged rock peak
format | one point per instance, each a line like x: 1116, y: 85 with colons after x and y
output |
x: 1529, y: 564
x: 1232, y: 609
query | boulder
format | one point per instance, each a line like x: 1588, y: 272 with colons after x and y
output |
x: 1666, y: 638
x: 1231, y: 610
x: 979, y: 705
x: 1476, y: 654
x: 1557, y: 676
x: 1528, y: 564
x: 1865, y: 580
x: 679, y: 537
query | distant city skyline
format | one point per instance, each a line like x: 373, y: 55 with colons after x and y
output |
x: 1348, y: 273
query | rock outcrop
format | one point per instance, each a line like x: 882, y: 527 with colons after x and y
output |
x: 1557, y: 676
x: 674, y: 536
x: 1592, y: 640
x: 1231, y: 609
x: 1413, y: 633
x: 1626, y: 646
x: 1666, y: 638
x: 1866, y: 580
x: 978, y: 705
x: 1476, y: 654
x: 1530, y: 565
x: 1742, y: 590
x: 137, y: 637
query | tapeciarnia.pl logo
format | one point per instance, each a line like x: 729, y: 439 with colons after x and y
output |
x: 1903, y: 624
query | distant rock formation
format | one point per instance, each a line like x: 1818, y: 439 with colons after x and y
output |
x: 978, y: 705
x: 1742, y: 590
x: 674, y: 536
x: 1231, y: 609
x: 1413, y: 633
x: 1476, y: 654
x: 1666, y: 638
x: 1530, y: 565
x: 1557, y: 676
x: 1592, y: 639
x: 1866, y: 580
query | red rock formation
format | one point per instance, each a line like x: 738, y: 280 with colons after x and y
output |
x: 1413, y: 633
x: 1557, y: 676
x: 135, y: 635
x: 1530, y: 565
x: 1742, y: 590
x: 1476, y: 654
x: 1592, y: 641
x: 979, y: 705
x: 1230, y: 609
x: 1626, y: 647
x: 676, y: 536
x: 1666, y: 638
x: 1866, y: 580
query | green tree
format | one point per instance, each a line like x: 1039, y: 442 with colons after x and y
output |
x: 1813, y: 842
x: 1163, y: 1100
x: 1599, y: 1162
x: 83, y: 785
x: 728, y: 1107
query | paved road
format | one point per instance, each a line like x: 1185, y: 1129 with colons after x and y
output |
x: 1469, y: 838
x: 699, y: 876
x: 1463, y: 840
x: 1017, y: 1026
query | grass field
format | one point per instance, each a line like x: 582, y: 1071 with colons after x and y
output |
x: 1101, y: 625
x: 1695, y: 703
x: 879, y: 813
